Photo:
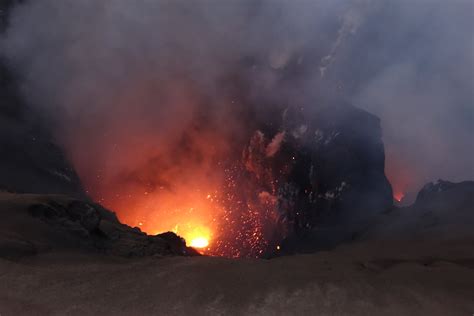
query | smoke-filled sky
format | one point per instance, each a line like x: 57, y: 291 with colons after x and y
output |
x: 132, y: 85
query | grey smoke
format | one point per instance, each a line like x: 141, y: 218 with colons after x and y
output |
x: 137, y: 73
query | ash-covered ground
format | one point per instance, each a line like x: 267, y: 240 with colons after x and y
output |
x: 412, y: 261
x: 410, y: 279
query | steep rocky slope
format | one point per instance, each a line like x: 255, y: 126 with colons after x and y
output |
x: 30, y: 159
x: 325, y: 173
x: 35, y: 224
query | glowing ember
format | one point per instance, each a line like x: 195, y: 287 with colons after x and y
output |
x: 400, y: 174
x: 199, y: 242
x: 198, y: 237
x: 398, y: 196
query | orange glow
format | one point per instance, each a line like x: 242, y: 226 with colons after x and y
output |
x: 199, y: 242
x: 401, y: 175
x: 196, y: 237
x: 398, y: 196
x: 168, y: 164
x: 189, y: 213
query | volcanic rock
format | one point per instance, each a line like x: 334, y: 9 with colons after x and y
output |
x: 443, y: 211
x: 44, y: 223
x: 430, y: 190
x: 327, y: 172
x: 30, y: 159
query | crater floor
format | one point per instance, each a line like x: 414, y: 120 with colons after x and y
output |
x: 361, y: 279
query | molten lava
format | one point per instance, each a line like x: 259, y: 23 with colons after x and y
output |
x: 199, y: 242
x: 196, y: 237
x: 398, y: 196
x: 189, y: 213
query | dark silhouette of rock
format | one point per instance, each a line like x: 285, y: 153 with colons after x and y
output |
x: 326, y: 172
x: 40, y: 223
x: 30, y: 159
x: 432, y: 189
x: 443, y: 211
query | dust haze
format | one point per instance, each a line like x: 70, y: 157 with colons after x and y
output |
x: 154, y: 94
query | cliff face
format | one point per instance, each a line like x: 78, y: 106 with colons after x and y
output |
x: 30, y: 160
x: 349, y: 161
x: 324, y: 173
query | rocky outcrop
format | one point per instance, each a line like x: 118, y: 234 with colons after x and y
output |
x: 345, y: 163
x: 433, y: 189
x: 323, y: 171
x: 443, y: 211
x: 41, y: 223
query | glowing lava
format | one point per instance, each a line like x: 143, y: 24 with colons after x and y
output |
x: 398, y: 196
x: 197, y: 237
x: 199, y: 242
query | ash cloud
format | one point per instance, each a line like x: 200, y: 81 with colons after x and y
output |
x: 422, y: 59
x: 132, y: 83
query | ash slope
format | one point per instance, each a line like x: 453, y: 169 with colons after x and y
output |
x: 397, y: 267
x: 338, y: 283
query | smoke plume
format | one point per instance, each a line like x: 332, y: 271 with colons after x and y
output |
x: 150, y: 97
